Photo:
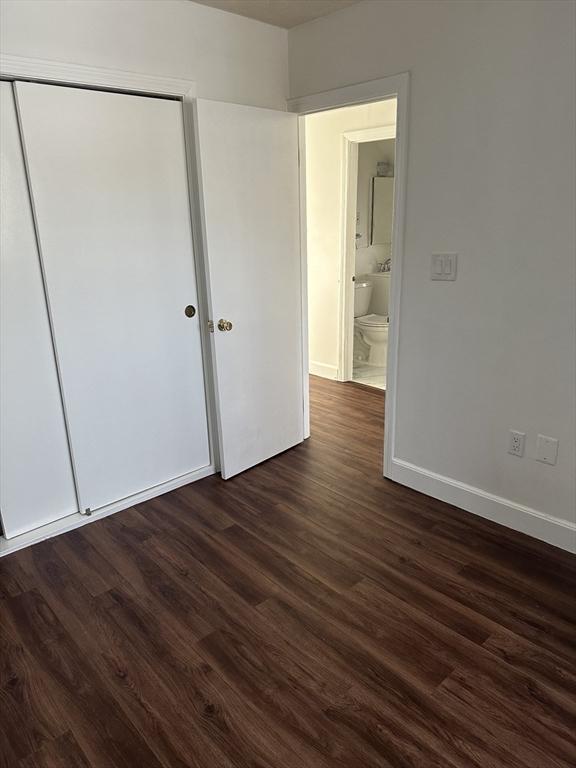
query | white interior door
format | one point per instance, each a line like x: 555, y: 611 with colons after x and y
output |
x: 248, y: 168
x: 109, y: 187
x: 36, y: 480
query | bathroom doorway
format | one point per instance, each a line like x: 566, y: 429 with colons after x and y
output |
x: 371, y: 171
x: 327, y: 265
x: 350, y: 162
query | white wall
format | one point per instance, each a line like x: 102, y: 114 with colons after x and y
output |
x: 231, y: 58
x: 324, y: 133
x: 491, y: 175
x: 369, y: 154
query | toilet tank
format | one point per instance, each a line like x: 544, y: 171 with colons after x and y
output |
x: 380, y: 304
x: 362, y: 296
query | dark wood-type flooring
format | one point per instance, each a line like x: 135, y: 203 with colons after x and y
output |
x: 303, y: 615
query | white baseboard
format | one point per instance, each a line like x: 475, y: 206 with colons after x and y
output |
x: 76, y: 520
x: 321, y: 369
x: 554, y: 530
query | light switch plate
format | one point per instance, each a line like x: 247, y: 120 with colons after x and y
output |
x: 546, y: 449
x: 444, y: 266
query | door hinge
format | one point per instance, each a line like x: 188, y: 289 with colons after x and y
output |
x: 211, y: 326
x: 87, y: 512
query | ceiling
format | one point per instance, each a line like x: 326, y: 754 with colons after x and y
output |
x: 281, y: 13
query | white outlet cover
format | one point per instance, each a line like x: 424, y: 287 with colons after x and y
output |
x: 546, y: 449
x: 516, y: 442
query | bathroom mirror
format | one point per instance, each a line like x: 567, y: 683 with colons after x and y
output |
x: 381, y: 210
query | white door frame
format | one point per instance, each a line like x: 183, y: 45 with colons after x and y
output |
x: 349, y: 204
x: 99, y: 78
x: 363, y: 93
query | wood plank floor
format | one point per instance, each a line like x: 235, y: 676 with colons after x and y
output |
x: 305, y: 614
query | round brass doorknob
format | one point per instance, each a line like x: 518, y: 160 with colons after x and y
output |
x: 190, y: 311
x: 224, y: 325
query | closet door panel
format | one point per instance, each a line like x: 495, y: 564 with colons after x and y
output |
x: 36, y: 480
x: 108, y: 180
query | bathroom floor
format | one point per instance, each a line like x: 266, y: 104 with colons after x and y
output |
x: 371, y: 375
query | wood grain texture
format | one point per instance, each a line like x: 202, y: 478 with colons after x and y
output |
x: 304, y: 614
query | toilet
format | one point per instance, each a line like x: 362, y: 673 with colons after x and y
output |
x: 373, y: 328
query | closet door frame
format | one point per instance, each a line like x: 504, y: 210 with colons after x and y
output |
x: 95, y: 78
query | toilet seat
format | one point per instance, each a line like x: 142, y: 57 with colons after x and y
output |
x: 372, y: 321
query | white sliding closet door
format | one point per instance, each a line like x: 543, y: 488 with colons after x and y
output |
x: 248, y: 169
x: 109, y: 187
x: 36, y: 481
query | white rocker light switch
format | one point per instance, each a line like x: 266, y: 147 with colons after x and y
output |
x: 444, y: 266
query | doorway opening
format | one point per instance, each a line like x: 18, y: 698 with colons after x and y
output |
x: 350, y: 163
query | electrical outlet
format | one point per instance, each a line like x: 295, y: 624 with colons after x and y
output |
x: 516, y: 443
x: 546, y: 449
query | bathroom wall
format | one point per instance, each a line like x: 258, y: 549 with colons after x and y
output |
x: 491, y: 175
x: 324, y: 184
x: 369, y: 154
